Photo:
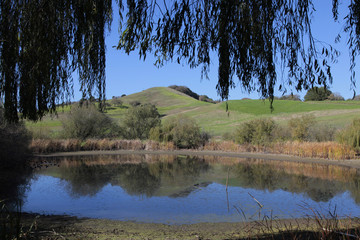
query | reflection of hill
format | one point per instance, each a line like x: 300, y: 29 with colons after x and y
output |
x: 177, y: 176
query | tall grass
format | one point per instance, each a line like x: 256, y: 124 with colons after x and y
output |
x: 326, y: 150
x: 40, y: 146
x: 11, y: 226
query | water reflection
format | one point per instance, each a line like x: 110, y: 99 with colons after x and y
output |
x: 140, y: 175
x: 182, y: 178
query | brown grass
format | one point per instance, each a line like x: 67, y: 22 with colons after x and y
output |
x: 40, y: 146
x: 326, y: 150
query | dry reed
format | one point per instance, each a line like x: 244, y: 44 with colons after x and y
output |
x: 327, y: 150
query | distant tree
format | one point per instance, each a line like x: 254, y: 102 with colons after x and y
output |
x: 139, y: 120
x: 294, y: 97
x: 317, y: 94
x: 335, y: 97
x: 185, y: 90
x: 205, y: 98
x: 355, y: 98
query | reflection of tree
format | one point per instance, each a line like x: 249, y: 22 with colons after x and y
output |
x: 268, y: 177
x: 144, y: 178
x: 174, y: 176
x: 85, y: 180
x: 136, y: 179
x: 14, y: 184
x: 355, y: 188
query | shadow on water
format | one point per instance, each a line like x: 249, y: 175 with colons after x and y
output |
x: 14, y: 183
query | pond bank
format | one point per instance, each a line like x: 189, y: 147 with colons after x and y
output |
x: 67, y: 227
x: 353, y: 163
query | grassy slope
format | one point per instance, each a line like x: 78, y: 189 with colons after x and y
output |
x: 214, y: 118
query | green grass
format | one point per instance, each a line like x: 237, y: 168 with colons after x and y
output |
x: 213, y: 117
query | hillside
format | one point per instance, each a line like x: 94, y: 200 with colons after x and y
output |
x: 213, y: 117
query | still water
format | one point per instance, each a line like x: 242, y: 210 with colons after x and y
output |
x: 182, y: 189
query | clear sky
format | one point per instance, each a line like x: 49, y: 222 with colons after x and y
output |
x: 128, y: 74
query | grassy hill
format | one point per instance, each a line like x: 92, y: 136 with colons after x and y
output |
x: 213, y: 117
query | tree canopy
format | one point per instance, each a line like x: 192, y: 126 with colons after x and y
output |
x: 317, y: 94
x: 42, y: 42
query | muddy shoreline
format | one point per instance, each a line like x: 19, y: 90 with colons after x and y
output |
x: 68, y: 227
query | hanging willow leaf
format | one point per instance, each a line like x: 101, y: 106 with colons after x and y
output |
x: 248, y: 35
x: 42, y: 43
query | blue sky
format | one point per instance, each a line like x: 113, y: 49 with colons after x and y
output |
x: 127, y: 74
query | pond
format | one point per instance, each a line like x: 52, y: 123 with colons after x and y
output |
x: 186, y: 189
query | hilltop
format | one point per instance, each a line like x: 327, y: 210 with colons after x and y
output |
x: 214, y: 118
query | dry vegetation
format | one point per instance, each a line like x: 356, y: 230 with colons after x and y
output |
x: 326, y: 150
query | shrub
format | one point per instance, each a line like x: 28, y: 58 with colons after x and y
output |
x: 182, y: 131
x: 88, y: 122
x: 14, y: 143
x: 135, y: 103
x: 321, y: 133
x: 258, y: 131
x: 293, y: 97
x: 351, y: 135
x: 228, y: 136
x: 139, y: 120
x: 116, y: 102
x: 300, y: 127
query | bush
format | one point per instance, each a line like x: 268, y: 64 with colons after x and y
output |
x: 317, y: 94
x: 135, y: 103
x: 14, y: 143
x: 88, y: 122
x: 336, y: 97
x: 116, y: 102
x: 205, y: 98
x: 184, y: 132
x: 321, y: 133
x: 300, y: 127
x: 258, y: 131
x: 293, y: 97
x: 228, y: 136
x: 185, y: 90
x: 351, y: 135
x: 139, y: 120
